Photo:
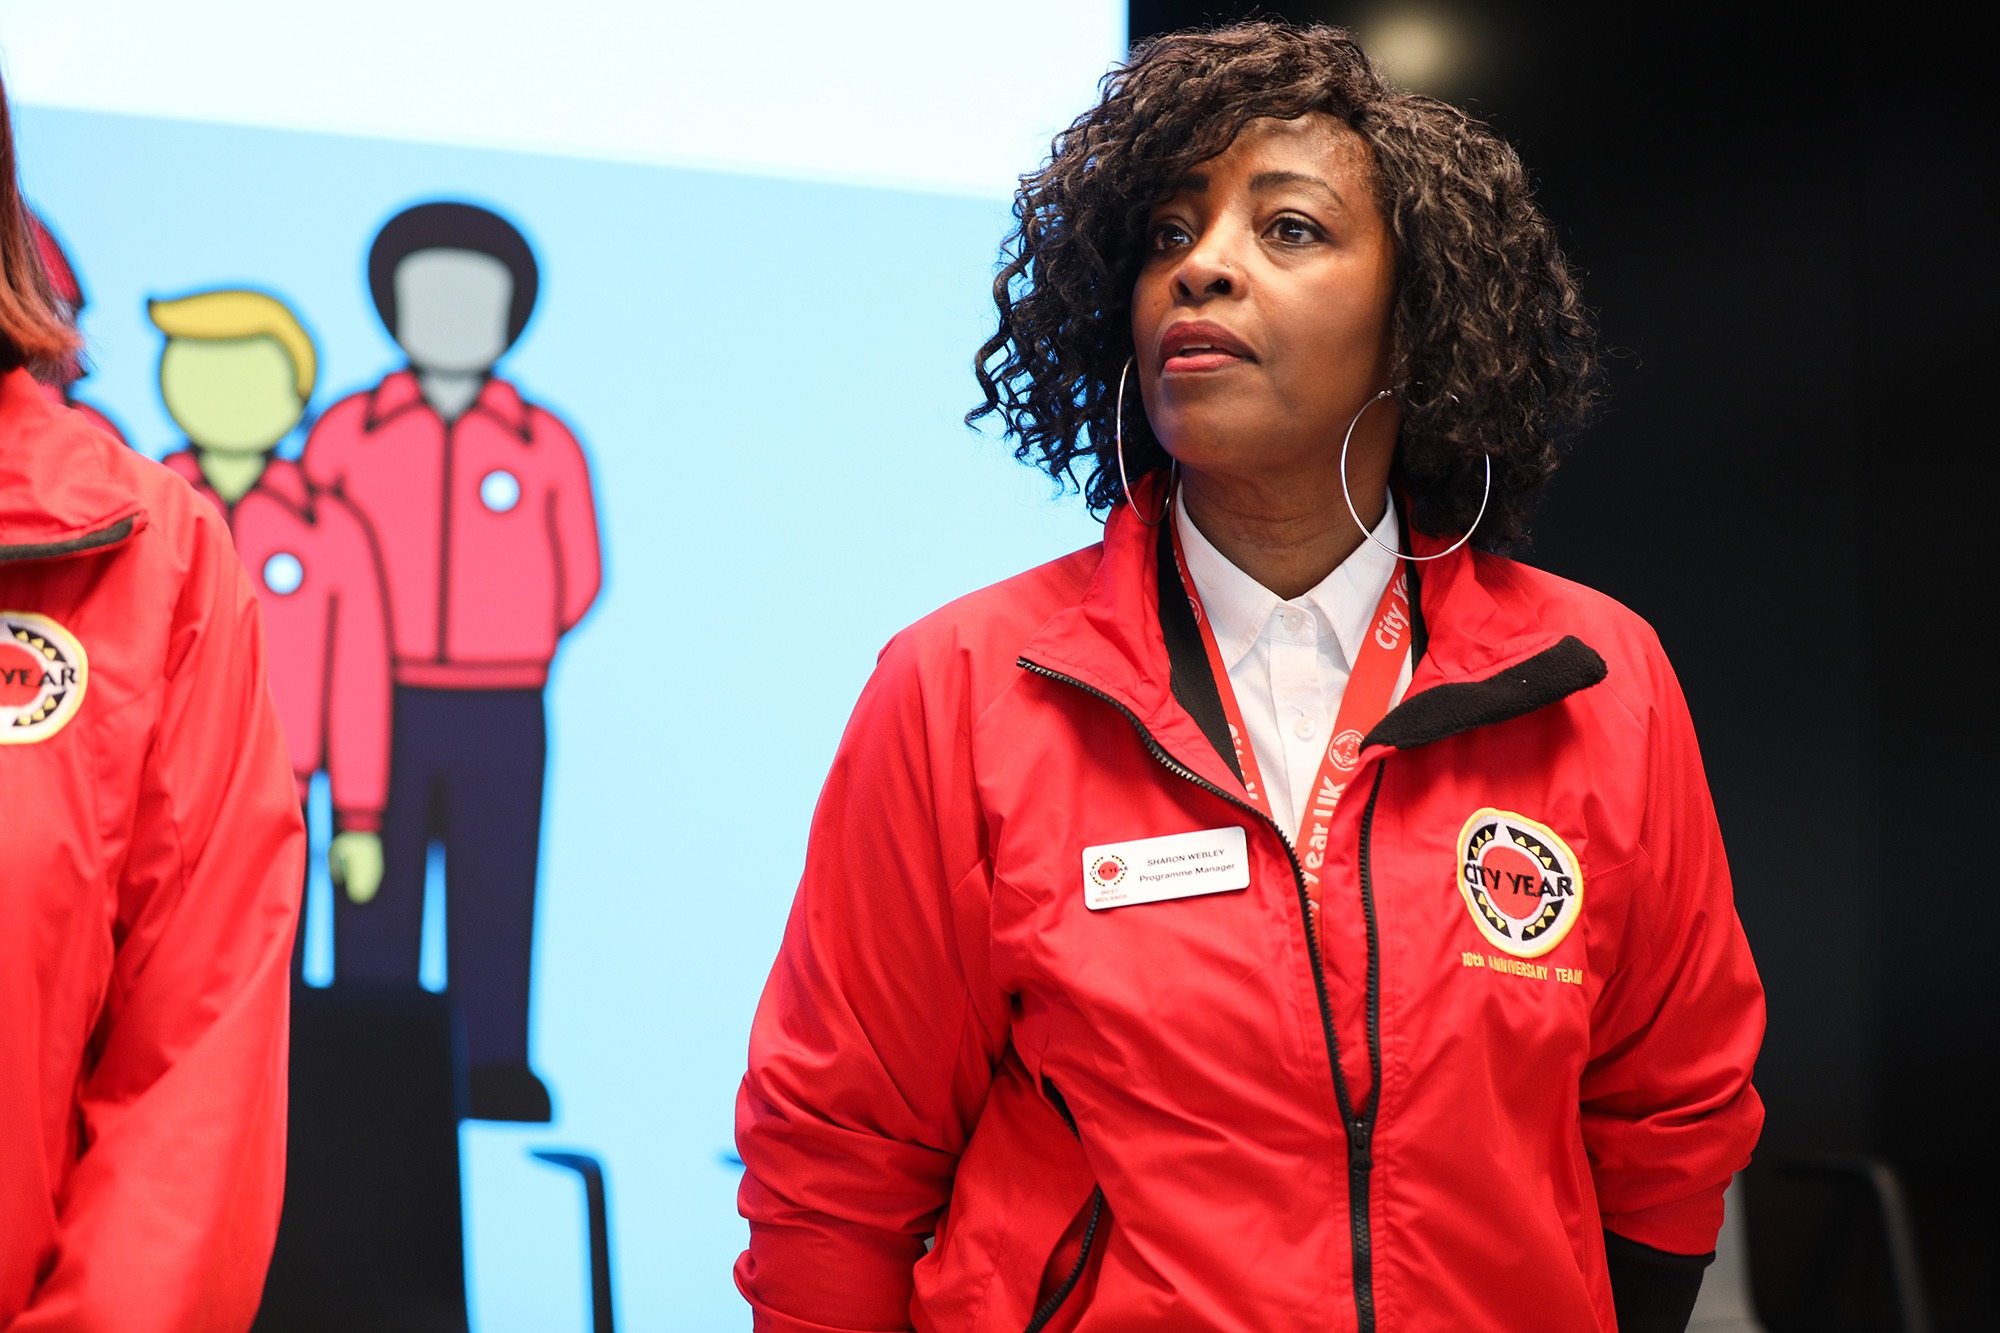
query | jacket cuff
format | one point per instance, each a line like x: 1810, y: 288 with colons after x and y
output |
x: 849, y: 1277
x: 1654, y: 1291
x: 1685, y: 1226
x: 357, y: 821
x: 771, y: 1321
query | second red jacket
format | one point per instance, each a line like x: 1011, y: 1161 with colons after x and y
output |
x: 1534, y: 1021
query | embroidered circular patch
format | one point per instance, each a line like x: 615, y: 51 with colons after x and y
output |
x: 43, y: 673
x: 1522, y: 883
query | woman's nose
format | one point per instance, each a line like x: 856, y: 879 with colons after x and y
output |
x: 1209, y: 268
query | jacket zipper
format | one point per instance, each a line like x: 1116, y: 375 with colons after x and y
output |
x: 1047, y: 1310
x: 1361, y: 1128
x: 1359, y: 1125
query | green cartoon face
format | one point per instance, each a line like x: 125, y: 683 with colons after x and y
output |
x: 236, y: 395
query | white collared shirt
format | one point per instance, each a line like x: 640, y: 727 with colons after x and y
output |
x: 1288, y: 661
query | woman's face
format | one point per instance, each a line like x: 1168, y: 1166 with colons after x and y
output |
x: 1261, y: 316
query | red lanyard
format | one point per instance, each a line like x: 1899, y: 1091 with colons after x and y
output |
x: 1370, y: 687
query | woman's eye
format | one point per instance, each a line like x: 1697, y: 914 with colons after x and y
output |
x: 1294, y: 231
x: 1170, y: 235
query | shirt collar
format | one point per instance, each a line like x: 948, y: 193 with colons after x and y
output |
x: 1238, y: 607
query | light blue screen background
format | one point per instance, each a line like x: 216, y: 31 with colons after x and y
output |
x: 768, y: 377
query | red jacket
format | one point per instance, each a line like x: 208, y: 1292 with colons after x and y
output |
x: 95, y: 418
x: 315, y: 571
x: 148, y: 891
x: 944, y: 1002
x: 486, y: 527
x: 59, y: 393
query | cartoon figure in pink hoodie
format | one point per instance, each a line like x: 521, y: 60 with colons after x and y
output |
x: 63, y: 278
x: 480, y: 502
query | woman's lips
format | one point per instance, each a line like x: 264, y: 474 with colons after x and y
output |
x: 1198, y: 346
x: 1199, y: 360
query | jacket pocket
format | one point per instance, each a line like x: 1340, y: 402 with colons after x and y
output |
x: 1016, y: 1226
x: 1071, y: 1271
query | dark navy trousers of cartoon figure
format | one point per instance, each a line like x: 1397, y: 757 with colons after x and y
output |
x: 465, y: 770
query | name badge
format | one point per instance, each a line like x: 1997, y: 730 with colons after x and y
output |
x: 1151, y: 870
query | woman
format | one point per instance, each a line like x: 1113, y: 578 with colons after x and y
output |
x: 149, y: 878
x: 1287, y: 914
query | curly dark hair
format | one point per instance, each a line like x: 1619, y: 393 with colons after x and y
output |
x: 1494, y: 354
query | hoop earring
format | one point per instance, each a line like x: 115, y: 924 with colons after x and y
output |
x: 1118, y: 434
x: 1348, y: 495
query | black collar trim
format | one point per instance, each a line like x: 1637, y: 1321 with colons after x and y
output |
x: 1555, y: 673
x: 1420, y: 633
x: 91, y: 541
x: 1193, y: 683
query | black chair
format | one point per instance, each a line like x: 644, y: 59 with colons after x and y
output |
x: 372, y: 1238
x: 1868, y: 1190
x: 1864, y: 1185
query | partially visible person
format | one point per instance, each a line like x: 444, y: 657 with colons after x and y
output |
x: 149, y: 874
x: 480, y: 502
x: 61, y: 386
x: 236, y: 374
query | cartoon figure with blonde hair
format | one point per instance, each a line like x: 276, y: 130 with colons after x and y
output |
x: 236, y: 375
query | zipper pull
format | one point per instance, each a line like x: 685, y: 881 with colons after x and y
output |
x: 1358, y: 1134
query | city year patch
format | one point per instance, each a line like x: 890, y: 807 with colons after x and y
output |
x: 1521, y: 882
x: 43, y: 674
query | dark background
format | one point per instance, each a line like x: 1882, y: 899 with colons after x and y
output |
x: 1785, y: 222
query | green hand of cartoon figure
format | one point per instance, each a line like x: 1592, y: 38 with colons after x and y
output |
x: 354, y: 860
